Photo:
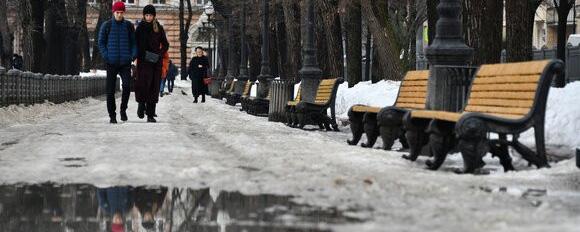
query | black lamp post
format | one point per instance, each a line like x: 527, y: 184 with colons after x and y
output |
x: 265, y: 76
x: 230, y: 69
x: 243, y: 77
x: 448, y: 49
x: 310, y: 73
x: 209, y: 12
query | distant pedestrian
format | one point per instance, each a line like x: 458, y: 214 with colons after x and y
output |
x: 152, y: 44
x: 17, y: 62
x: 197, y: 70
x: 169, y: 80
x: 149, y: 202
x: 164, y: 69
x: 118, y: 48
x: 116, y: 202
x: 171, y: 74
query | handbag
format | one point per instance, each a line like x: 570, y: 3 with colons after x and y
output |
x: 207, y: 80
x: 151, y: 57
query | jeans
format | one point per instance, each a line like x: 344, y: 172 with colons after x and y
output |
x: 170, y: 84
x: 162, y: 86
x: 125, y: 72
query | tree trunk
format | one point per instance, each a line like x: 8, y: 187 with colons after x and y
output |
x: 31, y: 16
x: 281, y: 43
x: 293, y: 32
x: 563, y: 7
x: 328, y: 11
x: 105, y: 8
x: 184, y: 25
x: 519, y: 27
x: 386, y: 46
x: 84, y: 38
x: 483, y: 29
x: 6, y: 37
x: 55, y: 24
x: 353, y: 29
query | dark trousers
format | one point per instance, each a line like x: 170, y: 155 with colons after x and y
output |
x: 170, y: 84
x: 125, y: 72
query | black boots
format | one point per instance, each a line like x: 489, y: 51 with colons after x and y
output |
x: 150, y: 108
x: 123, y: 116
x: 141, y: 110
x: 113, y: 120
x: 203, y: 98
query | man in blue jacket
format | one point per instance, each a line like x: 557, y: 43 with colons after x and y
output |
x: 118, y: 48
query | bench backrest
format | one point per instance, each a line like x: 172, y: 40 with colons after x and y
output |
x: 232, y: 85
x: 413, y: 90
x: 326, y: 89
x: 297, y: 98
x: 247, y: 88
x: 511, y: 90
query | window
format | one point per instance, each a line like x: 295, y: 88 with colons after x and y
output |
x: 129, y: 1
x: 200, y: 2
x: 158, y: 1
x: 92, y: 1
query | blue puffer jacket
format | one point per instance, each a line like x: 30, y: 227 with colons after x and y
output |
x: 119, y: 46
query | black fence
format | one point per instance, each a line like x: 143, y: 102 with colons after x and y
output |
x: 28, y: 88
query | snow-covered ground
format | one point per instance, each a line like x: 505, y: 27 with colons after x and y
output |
x: 217, y: 146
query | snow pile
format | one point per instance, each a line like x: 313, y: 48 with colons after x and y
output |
x: 562, y: 115
x: 19, y: 114
x: 94, y: 73
x: 383, y: 93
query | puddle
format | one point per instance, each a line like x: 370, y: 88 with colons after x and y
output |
x: 83, y: 207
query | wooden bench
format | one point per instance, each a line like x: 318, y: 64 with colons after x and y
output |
x: 244, y: 100
x: 291, y: 118
x: 317, y: 113
x: 259, y: 106
x: 229, y: 86
x: 504, y: 99
x: 363, y: 118
x: 235, y: 98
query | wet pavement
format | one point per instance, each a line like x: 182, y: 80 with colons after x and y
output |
x: 54, y: 207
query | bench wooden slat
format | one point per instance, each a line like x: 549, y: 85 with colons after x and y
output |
x: 410, y: 105
x: 362, y: 108
x: 453, y: 116
x: 520, y: 68
x: 497, y: 110
x: 412, y: 89
x: 501, y: 103
x: 417, y: 75
x: 504, y: 87
x: 413, y: 94
x: 415, y: 83
x: 411, y: 100
x: 503, y: 95
x: 507, y: 79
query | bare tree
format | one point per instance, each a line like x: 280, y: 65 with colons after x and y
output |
x: 353, y: 30
x: 184, y: 25
x: 519, y: 27
x: 483, y: 29
x: 105, y: 13
x: 382, y: 30
x: 6, y: 37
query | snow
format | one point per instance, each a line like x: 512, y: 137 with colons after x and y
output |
x: 216, y: 146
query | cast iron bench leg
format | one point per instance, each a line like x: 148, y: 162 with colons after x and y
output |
x: 371, y: 129
x: 416, y: 136
x: 473, y: 144
x: 441, y: 141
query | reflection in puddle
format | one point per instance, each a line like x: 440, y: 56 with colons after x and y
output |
x: 82, y: 207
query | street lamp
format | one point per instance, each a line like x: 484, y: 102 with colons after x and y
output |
x: 209, y: 11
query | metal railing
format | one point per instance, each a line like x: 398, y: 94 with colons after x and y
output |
x: 28, y: 88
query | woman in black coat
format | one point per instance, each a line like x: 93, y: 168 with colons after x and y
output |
x: 151, y: 39
x: 198, y: 67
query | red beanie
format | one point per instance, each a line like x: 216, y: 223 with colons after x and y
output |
x: 117, y: 228
x: 118, y: 6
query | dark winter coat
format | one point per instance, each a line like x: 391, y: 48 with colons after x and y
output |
x: 115, y: 199
x: 172, y: 72
x: 149, y: 74
x: 118, y: 46
x: 149, y: 199
x: 197, y: 70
